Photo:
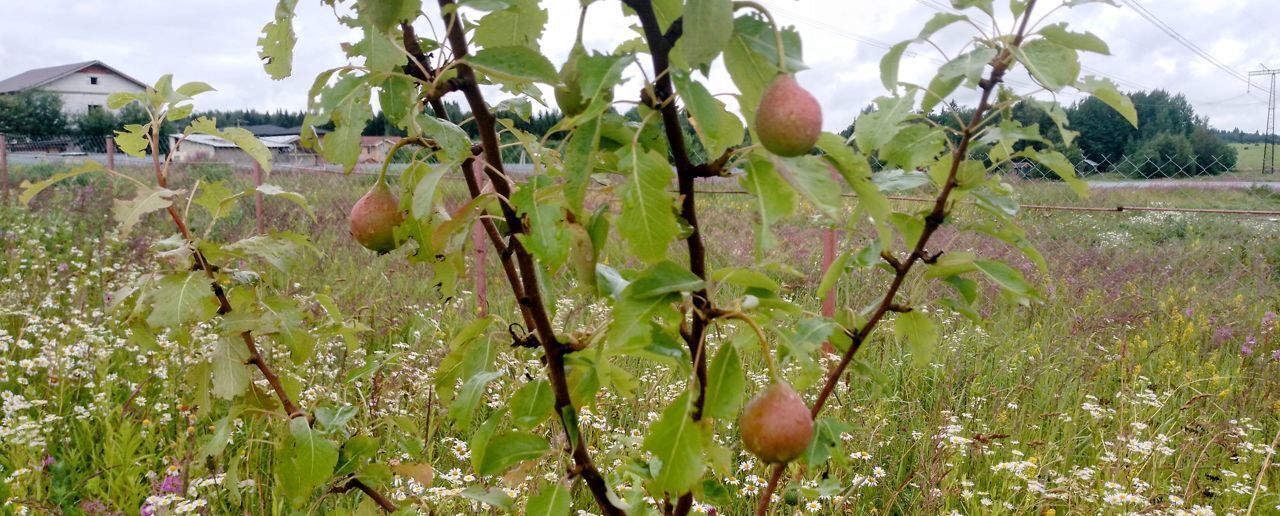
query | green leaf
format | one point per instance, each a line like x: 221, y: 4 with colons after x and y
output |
x: 914, y: 146
x: 1085, y: 41
x: 744, y: 277
x: 876, y: 128
x: 277, y: 41
x: 180, y: 299
x: 726, y: 385
x: 505, y: 450
x: 939, y: 21
x: 833, y: 273
x: 120, y: 99
x: 918, y: 332
x: 380, y: 49
x: 192, y: 89
x: 1061, y: 166
x: 826, y: 441
x: 29, y: 191
x: 752, y: 59
x: 282, y: 250
x: 890, y: 63
x: 647, y: 206
x: 813, y: 178
x: 632, y: 324
x: 717, y: 128
x: 221, y: 434
x: 514, y: 63
x: 453, y: 141
x: 531, y: 404
x: 387, y: 14
x: 773, y: 200
x: 676, y: 444
x: 239, y: 136
x: 293, y: 197
x: 305, y: 462
x: 133, y: 140
x: 424, y: 192
x: 1053, y: 66
x: 981, y: 5
x: 709, y: 26
x: 129, y: 212
x: 494, y: 496
x: 520, y: 25
x: 1008, y: 278
x: 463, y: 407
x: 230, y: 373
x: 551, y: 500
x: 546, y: 236
x: 1108, y: 93
x: 856, y: 171
x: 664, y: 277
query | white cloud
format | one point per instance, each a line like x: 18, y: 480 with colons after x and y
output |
x: 215, y: 41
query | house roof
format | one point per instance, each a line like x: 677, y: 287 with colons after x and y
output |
x: 214, y: 141
x: 369, y: 141
x: 272, y: 130
x: 42, y: 76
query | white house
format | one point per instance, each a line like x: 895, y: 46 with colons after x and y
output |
x: 82, y: 86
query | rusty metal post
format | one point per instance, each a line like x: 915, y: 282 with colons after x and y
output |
x: 829, y: 257
x: 111, y: 153
x: 480, y: 252
x: 257, y: 197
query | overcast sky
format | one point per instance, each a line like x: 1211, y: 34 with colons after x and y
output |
x: 215, y: 41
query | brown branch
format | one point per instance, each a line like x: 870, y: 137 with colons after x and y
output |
x: 660, y: 45
x: 933, y: 221
x: 531, y: 296
x: 224, y: 307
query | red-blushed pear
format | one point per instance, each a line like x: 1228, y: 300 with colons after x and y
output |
x: 789, y: 119
x: 775, y: 425
x: 374, y: 218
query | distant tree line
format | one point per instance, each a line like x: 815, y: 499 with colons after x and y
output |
x: 1169, y: 137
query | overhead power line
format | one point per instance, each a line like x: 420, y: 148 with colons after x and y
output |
x: 1185, y: 42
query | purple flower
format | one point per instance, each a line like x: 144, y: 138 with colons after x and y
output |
x: 171, y: 484
x: 48, y: 461
x: 1221, y: 336
x: 1275, y: 355
x: 1247, y: 348
x: 1188, y: 312
x: 62, y: 267
x: 1267, y: 319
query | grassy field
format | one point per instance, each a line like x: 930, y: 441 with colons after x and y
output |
x: 1147, y: 382
x: 1249, y: 163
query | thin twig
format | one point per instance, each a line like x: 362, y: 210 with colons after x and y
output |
x: 933, y: 221
x: 529, y: 293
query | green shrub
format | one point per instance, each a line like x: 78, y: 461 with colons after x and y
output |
x: 208, y: 172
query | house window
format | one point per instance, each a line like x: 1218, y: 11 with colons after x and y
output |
x: 95, y: 108
x: 93, y: 80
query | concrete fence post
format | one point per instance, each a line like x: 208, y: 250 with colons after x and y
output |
x: 111, y: 153
x: 4, y: 168
x: 257, y: 197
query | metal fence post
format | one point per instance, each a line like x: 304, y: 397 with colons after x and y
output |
x: 111, y: 153
x: 4, y: 168
x: 257, y: 197
x: 829, y: 257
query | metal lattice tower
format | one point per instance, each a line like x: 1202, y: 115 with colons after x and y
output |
x: 1269, y: 144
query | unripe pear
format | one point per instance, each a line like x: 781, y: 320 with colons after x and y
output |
x: 374, y: 218
x: 789, y: 119
x: 776, y: 425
